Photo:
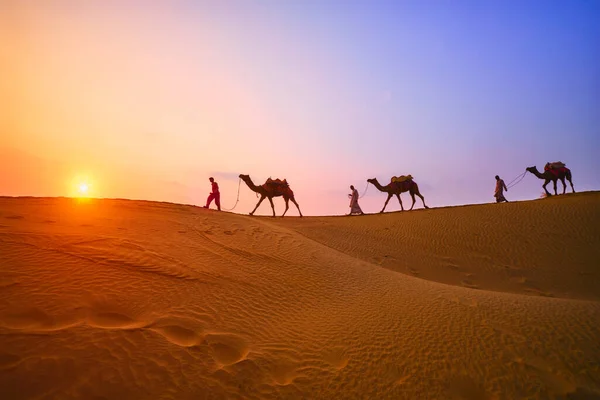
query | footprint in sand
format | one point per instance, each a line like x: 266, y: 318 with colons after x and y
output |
x: 284, y: 373
x: 182, y: 332
x: 14, y: 217
x: 227, y: 348
x: 31, y: 318
x: 113, y: 320
x: 37, y: 320
x: 337, y: 358
x: 178, y: 335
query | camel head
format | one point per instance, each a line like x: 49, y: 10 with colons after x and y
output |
x: 372, y: 180
x: 244, y: 177
x: 531, y: 169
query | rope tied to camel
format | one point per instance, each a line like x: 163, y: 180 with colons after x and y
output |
x: 238, y: 197
x: 364, y: 192
x: 517, y: 180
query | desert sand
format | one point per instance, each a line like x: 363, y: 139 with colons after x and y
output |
x: 119, y: 299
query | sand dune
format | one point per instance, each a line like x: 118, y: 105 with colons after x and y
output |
x: 116, y: 299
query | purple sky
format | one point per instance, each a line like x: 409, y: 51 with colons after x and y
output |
x: 147, y: 100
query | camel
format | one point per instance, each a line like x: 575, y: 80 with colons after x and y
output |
x: 548, y: 176
x: 270, y: 190
x: 396, y: 189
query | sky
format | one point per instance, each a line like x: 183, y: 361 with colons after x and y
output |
x: 146, y: 100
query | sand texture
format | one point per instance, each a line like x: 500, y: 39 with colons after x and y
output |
x: 118, y: 299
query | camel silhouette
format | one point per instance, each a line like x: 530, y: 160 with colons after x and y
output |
x: 270, y: 189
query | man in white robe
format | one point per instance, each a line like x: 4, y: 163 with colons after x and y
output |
x: 354, y: 207
x: 499, y: 192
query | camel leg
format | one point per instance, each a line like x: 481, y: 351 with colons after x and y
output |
x: 388, y: 199
x: 564, y: 185
x: 297, y: 206
x: 422, y: 199
x: 412, y: 196
x: 544, y: 187
x: 400, y: 200
x: 287, y: 206
x: 273, y: 206
x: 258, y: 204
x: 569, y: 178
x: 416, y: 191
x: 554, y: 184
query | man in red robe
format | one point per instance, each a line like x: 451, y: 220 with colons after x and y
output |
x: 214, y: 195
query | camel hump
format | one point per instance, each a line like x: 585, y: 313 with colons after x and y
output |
x: 276, y: 182
x: 402, y: 178
x: 555, y: 165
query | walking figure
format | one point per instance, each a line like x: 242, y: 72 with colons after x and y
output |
x: 499, y: 192
x: 214, y: 195
x: 354, y: 207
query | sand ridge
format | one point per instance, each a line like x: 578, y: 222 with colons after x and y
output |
x: 126, y: 299
x: 544, y: 247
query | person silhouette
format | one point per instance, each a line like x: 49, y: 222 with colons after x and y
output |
x: 499, y: 192
x: 214, y: 195
x: 354, y: 207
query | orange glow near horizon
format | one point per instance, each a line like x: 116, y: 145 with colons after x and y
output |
x: 81, y: 186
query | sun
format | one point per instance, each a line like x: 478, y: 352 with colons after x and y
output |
x: 82, y: 186
x: 83, y: 189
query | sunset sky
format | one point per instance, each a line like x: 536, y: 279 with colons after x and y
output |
x: 146, y: 100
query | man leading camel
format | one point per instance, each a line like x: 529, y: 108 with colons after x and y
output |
x: 354, y: 207
x: 499, y: 192
x: 215, y: 194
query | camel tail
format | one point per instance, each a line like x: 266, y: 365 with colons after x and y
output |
x: 568, y: 174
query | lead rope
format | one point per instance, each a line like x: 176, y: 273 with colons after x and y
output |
x: 365, y: 192
x: 238, y: 197
x: 518, y: 179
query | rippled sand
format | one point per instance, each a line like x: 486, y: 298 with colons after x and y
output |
x: 117, y: 299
